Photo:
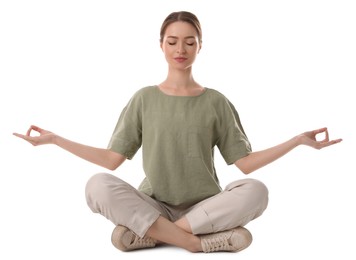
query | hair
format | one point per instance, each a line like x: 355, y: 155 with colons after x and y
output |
x: 182, y: 16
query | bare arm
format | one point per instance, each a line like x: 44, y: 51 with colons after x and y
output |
x: 99, y: 156
x: 259, y: 159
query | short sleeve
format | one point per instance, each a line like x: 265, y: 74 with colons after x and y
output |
x: 233, y: 142
x: 127, y: 135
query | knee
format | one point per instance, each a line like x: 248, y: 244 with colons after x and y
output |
x: 259, y: 192
x: 255, y: 190
x: 96, y: 189
x: 258, y: 188
x: 94, y: 183
x: 104, y: 189
x: 260, y: 195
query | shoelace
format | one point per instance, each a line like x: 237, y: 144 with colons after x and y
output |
x: 138, y: 242
x: 218, y: 243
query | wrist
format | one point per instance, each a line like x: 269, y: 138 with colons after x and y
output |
x: 297, y: 140
x: 55, y: 139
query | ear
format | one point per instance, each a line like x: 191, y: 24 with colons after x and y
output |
x: 200, y: 45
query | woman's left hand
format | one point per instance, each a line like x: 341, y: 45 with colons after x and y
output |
x: 309, y: 138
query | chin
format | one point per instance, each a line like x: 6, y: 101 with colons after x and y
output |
x: 181, y: 66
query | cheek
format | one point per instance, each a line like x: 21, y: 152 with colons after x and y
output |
x: 168, y: 51
x: 196, y: 50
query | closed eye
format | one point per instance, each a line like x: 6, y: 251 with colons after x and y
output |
x: 173, y: 43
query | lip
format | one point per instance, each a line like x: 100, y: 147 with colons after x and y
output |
x: 180, y: 59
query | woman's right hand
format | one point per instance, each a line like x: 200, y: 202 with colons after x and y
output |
x: 103, y: 157
x: 44, y: 137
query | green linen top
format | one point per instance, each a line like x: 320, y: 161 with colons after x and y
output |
x: 178, y: 135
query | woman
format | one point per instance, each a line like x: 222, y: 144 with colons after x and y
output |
x: 178, y: 123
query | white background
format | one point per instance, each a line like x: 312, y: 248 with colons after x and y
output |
x: 70, y: 66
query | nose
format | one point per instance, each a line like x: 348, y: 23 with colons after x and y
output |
x: 180, y: 48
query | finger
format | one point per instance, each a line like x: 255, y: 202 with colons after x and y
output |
x: 18, y: 135
x: 25, y: 137
x: 35, y: 128
x: 28, y: 133
x: 320, y: 130
x: 326, y: 144
x: 38, y: 129
x: 326, y: 136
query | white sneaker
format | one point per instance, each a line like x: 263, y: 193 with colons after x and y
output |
x: 126, y: 240
x: 232, y: 240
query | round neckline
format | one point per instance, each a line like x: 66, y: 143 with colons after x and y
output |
x: 165, y: 94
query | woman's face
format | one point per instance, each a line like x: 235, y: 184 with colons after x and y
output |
x: 180, y: 45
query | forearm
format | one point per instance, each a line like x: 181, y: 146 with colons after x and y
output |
x: 99, y: 156
x: 259, y: 159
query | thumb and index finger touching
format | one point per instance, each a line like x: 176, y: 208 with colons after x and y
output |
x: 28, y: 136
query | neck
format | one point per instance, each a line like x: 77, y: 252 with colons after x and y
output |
x: 180, y: 79
x: 181, y: 83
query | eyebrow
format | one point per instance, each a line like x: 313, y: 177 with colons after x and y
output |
x: 175, y: 37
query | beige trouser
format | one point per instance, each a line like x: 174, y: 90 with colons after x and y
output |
x: 240, y: 202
